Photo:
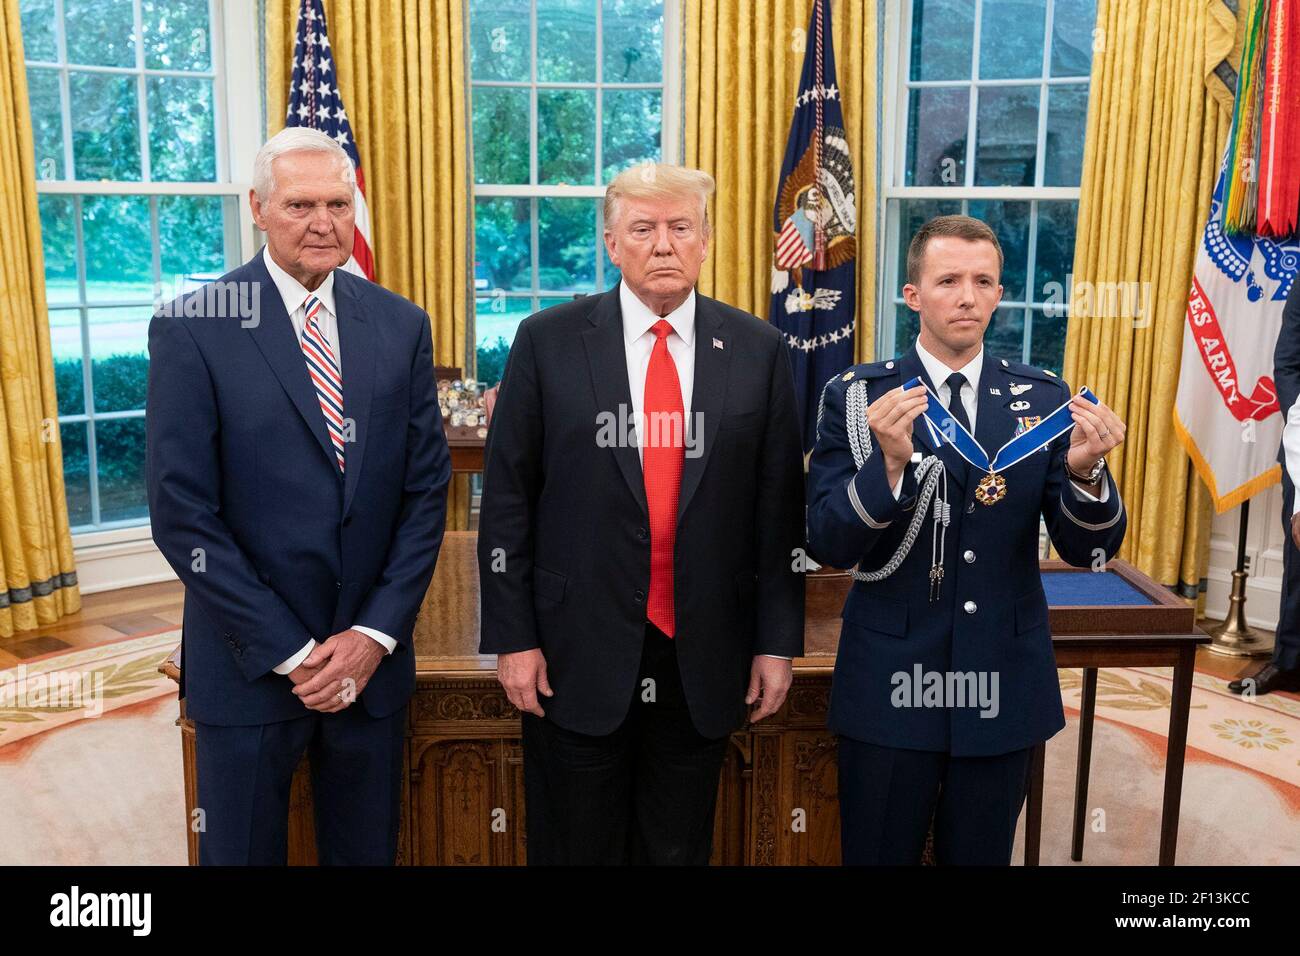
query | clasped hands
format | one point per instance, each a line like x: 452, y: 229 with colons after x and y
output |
x: 336, y: 671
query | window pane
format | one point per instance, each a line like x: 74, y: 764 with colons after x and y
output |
x: 1010, y: 221
x: 119, y: 357
x: 566, y: 41
x: 502, y: 244
x: 1047, y: 341
x: 99, y: 33
x: 105, y: 131
x: 566, y: 137
x: 47, y: 122
x: 119, y: 255
x: 633, y: 41
x: 59, y: 243
x: 942, y: 32
x: 936, y: 137
x: 182, y: 145
x: 500, y: 136
x: 37, y: 17
x: 566, y: 244
x: 1054, y: 257
x: 913, y: 214
x: 906, y: 326
x: 1006, y: 147
x: 191, y: 232
x: 1067, y: 120
x: 499, y: 39
x: 1072, y: 24
x: 1005, y: 336
x: 1011, y: 38
x: 65, y: 345
x: 632, y: 129
x: 119, y: 450
x: 177, y: 35
x: 495, y: 319
x: 76, y: 472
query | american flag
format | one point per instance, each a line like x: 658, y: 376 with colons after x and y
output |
x: 315, y: 101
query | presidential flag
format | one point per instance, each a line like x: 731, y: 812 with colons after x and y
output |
x: 315, y: 101
x: 815, y: 226
x: 1226, y: 413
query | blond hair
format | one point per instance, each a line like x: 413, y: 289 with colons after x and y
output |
x: 659, y: 181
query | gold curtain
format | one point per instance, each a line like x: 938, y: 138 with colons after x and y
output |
x: 1158, y: 122
x: 401, y: 70
x: 38, y: 580
x: 743, y: 59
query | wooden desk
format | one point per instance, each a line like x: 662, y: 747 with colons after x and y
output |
x: 463, y: 793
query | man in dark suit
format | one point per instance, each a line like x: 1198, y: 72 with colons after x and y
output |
x: 945, y: 675
x: 297, y: 475
x: 640, y: 536
x: 1283, y: 671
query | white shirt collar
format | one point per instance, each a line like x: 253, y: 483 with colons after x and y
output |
x: 639, y: 317
x: 293, y: 292
x: 939, y: 371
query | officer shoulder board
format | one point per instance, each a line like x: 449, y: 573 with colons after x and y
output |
x: 855, y: 373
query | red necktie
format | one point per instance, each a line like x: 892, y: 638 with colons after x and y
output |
x: 662, y: 454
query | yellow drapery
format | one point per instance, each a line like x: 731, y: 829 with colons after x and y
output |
x: 743, y: 59
x: 1158, y: 121
x: 401, y: 70
x: 38, y: 581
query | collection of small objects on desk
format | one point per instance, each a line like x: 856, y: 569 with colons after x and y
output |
x: 464, y: 410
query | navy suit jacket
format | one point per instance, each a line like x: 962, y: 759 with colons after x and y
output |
x: 1286, y: 360
x: 991, y: 615
x: 274, y: 546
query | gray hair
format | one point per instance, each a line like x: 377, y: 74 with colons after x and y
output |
x: 293, y: 139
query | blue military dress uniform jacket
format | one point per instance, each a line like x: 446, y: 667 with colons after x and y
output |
x: 989, y: 621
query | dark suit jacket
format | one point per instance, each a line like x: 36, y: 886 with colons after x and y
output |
x: 1286, y: 358
x: 564, y: 545
x: 240, y: 466
x: 892, y: 627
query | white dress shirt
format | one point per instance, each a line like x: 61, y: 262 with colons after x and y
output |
x: 294, y: 295
x: 639, y: 342
x: 1291, y: 447
x: 939, y: 372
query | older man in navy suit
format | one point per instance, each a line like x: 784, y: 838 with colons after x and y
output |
x: 297, y: 475
x: 945, y: 675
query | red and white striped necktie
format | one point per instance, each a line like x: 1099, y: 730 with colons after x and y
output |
x: 325, y: 374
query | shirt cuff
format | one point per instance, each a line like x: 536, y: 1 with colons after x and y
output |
x: 382, y: 639
x: 293, y: 662
x: 898, y: 485
x: 1083, y: 495
x: 779, y: 657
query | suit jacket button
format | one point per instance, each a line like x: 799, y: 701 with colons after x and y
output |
x: 338, y: 585
x: 638, y: 595
x: 642, y: 534
x: 970, y: 607
x: 969, y: 557
x: 970, y: 507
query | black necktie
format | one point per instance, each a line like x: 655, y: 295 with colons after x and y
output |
x: 955, y: 381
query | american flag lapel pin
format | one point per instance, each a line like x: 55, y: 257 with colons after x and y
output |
x: 717, y: 344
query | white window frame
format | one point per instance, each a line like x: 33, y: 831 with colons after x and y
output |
x: 893, y: 158
x: 671, y: 145
x: 121, y: 554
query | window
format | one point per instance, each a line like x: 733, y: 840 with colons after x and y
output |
x: 565, y: 94
x: 136, y: 205
x: 990, y: 122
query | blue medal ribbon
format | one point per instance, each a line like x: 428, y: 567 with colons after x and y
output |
x: 944, y: 428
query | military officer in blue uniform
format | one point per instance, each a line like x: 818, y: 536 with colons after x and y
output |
x: 945, y: 676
